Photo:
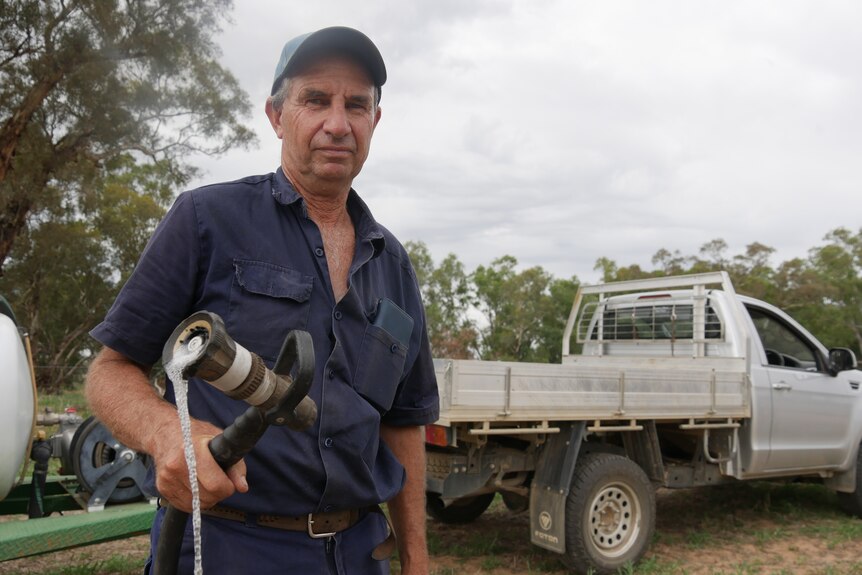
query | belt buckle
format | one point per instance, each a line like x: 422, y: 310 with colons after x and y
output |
x: 314, y: 535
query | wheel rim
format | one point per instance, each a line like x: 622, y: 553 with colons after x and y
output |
x: 614, y: 519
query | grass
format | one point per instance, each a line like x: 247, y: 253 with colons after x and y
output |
x: 740, y: 529
x: 114, y: 565
x: 59, y: 402
x: 736, y: 529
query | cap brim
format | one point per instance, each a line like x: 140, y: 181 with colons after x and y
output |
x: 337, y: 39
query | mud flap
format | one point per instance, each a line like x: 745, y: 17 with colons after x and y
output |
x: 551, y: 485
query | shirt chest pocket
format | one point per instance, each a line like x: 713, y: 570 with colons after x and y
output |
x: 380, y: 366
x: 266, y: 302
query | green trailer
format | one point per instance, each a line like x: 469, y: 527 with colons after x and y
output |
x: 69, y: 524
x: 99, y: 497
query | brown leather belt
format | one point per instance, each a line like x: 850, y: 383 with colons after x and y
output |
x: 317, y: 525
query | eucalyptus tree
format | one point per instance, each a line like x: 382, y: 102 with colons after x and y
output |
x: 103, y: 104
x: 85, y: 81
x: 513, y: 305
x: 447, y: 295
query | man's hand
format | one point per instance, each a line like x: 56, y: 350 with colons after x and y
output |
x: 172, y: 474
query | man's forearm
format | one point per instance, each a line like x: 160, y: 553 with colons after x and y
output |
x: 121, y: 396
x: 407, y: 509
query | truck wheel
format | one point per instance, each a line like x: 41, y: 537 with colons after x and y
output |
x: 610, y: 514
x: 852, y: 502
x: 462, y: 510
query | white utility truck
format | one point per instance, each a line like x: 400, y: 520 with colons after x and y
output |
x: 678, y: 382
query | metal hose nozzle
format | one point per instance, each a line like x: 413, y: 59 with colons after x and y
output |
x: 202, y: 345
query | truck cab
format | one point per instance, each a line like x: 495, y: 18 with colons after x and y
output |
x: 805, y: 399
x: 808, y: 395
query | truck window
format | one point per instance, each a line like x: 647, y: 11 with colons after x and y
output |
x: 784, y: 346
x: 670, y: 321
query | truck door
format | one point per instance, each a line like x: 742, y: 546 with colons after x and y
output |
x: 810, y: 407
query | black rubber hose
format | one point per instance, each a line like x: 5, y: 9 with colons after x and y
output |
x: 227, y: 449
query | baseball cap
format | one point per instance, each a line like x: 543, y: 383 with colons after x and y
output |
x: 325, y: 41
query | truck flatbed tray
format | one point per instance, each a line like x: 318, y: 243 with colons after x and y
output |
x: 592, y: 389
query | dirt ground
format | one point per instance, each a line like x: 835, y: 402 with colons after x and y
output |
x: 694, y: 536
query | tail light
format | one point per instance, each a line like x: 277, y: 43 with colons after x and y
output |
x: 437, y: 435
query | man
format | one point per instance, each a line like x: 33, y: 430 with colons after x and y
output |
x: 294, y: 249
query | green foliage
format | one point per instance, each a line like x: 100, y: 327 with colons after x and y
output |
x: 523, y: 313
x: 116, y: 73
x: 447, y: 297
x: 511, y: 303
x: 556, y: 308
x: 101, y: 105
x: 837, y: 267
x: 83, y: 82
x: 67, y: 269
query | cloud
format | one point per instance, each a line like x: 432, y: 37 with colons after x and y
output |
x: 560, y: 132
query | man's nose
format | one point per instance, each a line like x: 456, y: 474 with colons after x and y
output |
x: 337, y: 124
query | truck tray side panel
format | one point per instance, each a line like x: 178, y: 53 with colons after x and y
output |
x: 656, y: 388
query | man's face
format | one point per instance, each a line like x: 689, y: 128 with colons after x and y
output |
x: 326, y: 124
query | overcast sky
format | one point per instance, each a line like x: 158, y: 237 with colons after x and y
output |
x: 560, y: 132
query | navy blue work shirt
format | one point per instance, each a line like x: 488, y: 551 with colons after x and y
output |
x: 247, y: 251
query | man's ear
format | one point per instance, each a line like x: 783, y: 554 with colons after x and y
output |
x: 274, y: 117
x: 377, y: 116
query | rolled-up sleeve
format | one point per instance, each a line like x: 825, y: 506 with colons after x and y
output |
x: 160, y: 292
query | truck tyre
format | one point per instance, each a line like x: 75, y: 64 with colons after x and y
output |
x: 852, y: 502
x: 610, y: 514
x: 462, y: 510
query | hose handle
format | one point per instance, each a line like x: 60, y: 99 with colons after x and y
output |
x: 238, y: 438
x: 295, y: 363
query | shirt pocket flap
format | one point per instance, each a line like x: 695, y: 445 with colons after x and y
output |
x: 272, y: 280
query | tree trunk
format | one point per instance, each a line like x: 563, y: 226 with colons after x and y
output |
x: 13, y: 218
x: 11, y: 132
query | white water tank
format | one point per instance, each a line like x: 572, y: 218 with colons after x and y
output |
x: 17, y: 399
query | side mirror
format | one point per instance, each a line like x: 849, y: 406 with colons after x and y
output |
x: 841, y: 359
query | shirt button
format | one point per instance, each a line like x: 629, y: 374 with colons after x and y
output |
x: 319, y: 252
x: 394, y: 348
x: 328, y: 442
x: 337, y: 315
x: 331, y: 374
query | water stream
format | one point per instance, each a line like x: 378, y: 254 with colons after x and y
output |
x: 174, y: 370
